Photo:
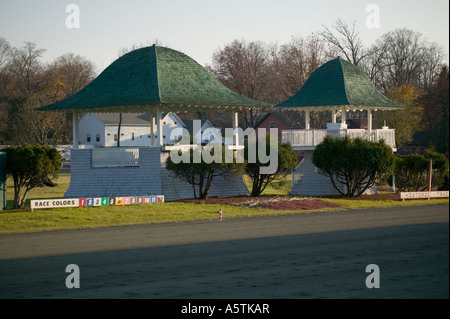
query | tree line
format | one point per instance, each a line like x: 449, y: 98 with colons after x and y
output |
x: 402, y: 64
x: 26, y: 82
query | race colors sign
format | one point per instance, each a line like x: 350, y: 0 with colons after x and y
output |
x: 96, y: 201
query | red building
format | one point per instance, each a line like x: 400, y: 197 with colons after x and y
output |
x: 281, y: 120
x: 287, y: 120
x: 418, y: 145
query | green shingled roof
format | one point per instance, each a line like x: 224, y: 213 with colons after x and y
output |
x: 153, y: 76
x: 338, y: 84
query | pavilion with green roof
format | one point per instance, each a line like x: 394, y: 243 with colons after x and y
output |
x: 340, y: 87
x: 153, y: 80
x: 338, y: 83
x: 148, y: 80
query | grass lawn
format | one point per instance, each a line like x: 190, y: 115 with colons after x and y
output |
x: 13, y: 221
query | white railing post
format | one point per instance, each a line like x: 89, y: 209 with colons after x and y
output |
x: 311, y: 138
x: 75, y: 131
x: 115, y: 157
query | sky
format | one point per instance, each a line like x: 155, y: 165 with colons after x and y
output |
x: 199, y: 28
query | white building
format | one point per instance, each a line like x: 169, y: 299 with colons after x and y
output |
x: 101, y: 129
x: 203, y: 131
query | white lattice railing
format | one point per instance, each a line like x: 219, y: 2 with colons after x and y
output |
x: 115, y: 157
x: 387, y: 134
x: 303, y: 137
x: 312, y: 138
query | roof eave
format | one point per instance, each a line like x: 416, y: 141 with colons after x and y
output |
x: 145, y: 108
x: 349, y: 107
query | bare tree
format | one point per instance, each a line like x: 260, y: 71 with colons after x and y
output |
x: 26, y: 80
x: 72, y: 72
x: 270, y: 73
x: 346, y: 40
x: 436, y: 111
x: 433, y: 58
x: 5, y: 52
x: 31, y: 84
x: 374, y: 65
x: 242, y: 67
x: 401, y: 59
x: 5, y: 56
x: 26, y: 69
x: 295, y: 61
x: 135, y: 46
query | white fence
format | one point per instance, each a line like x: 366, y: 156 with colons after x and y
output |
x: 115, y: 157
x: 303, y: 137
x: 388, y: 135
x: 312, y: 138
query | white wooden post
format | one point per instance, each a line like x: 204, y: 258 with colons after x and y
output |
x: 343, y: 116
x: 159, y: 141
x: 369, y: 122
x: 235, y: 126
x: 152, y: 128
x: 307, y: 126
x: 75, y: 136
x: 430, y: 173
x: 333, y: 116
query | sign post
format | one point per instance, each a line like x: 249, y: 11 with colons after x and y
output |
x: 430, y: 172
x: 2, y: 181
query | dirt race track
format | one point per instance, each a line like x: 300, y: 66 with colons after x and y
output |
x: 320, y: 255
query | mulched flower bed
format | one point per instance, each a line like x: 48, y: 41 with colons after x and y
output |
x: 390, y: 196
x: 271, y: 202
x: 287, y: 203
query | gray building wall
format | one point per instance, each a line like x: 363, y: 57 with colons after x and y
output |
x: 314, y: 183
x: 87, y: 181
x: 150, y: 177
x: 222, y: 186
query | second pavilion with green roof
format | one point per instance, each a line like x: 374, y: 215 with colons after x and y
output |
x: 340, y: 87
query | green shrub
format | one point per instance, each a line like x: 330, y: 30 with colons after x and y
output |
x: 352, y: 165
x: 30, y: 166
x: 411, y: 171
x: 200, y: 173
x: 286, y: 159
